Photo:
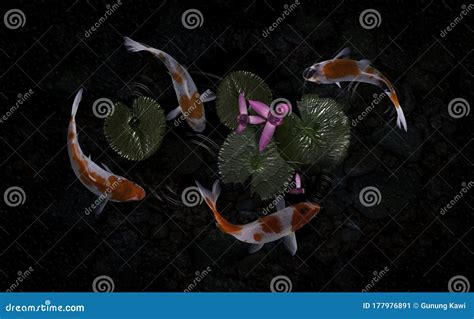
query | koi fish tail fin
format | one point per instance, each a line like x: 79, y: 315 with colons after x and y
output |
x: 210, y: 196
x: 401, y: 121
x: 134, y: 46
x: 75, y: 104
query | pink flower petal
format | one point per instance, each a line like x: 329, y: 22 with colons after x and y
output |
x: 242, y: 104
x: 266, y: 136
x: 253, y: 119
x: 240, y: 128
x: 261, y: 108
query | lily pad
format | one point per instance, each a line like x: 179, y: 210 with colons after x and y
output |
x: 228, y: 93
x: 240, y: 160
x: 319, y: 139
x: 136, y: 133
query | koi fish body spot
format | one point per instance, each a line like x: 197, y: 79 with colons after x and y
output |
x: 257, y: 237
x: 271, y: 224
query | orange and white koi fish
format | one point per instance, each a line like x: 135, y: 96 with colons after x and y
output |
x: 339, y: 69
x: 281, y: 224
x: 101, y: 182
x: 189, y: 99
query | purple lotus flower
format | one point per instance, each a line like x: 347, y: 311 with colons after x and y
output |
x: 298, y: 189
x: 244, y: 118
x: 274, y: 117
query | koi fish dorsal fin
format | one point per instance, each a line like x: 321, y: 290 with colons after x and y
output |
x: 107, y: 168
x: 363, y: 64
x: 77, y: 100
x: 343, y: 53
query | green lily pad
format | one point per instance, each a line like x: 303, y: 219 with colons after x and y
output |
x: 240, y: 159
x: 227, y: 105
x: 136, y: 133
x: 319, y: 139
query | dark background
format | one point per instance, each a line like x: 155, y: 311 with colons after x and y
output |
x: 159, y: 245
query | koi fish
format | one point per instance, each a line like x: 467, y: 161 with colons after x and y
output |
x: 189, y: 100
x: 340, y: 69
x: 281, y: 224
x: 101, y: 182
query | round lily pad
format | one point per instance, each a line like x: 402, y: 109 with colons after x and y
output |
x: 135, y: 133
x: 240, y: 160
x: 319, y: 139
x: 228, y: 94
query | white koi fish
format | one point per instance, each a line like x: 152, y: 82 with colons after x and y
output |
x: 101, y: 182
x: 281, y: 224
x: 339, y: 69
x: 189, y: 100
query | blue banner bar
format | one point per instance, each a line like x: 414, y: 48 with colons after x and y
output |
x: 237, y: 305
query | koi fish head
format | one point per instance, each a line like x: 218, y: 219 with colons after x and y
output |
x: 128, y: 191
x: 313, y: 73
x: 303, y: 213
